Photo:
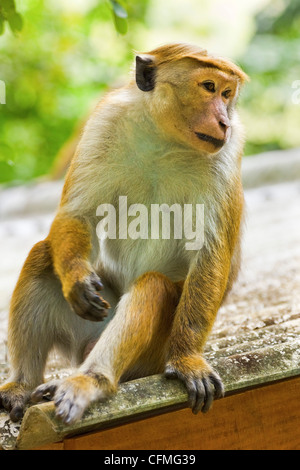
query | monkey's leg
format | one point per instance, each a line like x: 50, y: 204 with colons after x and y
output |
x: 203, y: 293
x: 40, y: 318
x: 134, y: 343
x: 30, y: 336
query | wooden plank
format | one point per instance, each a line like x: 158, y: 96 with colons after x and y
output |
x: 136, y: 399
x: 54, y: 446
x: 266, y: 418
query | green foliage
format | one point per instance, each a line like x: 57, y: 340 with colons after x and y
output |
x: 9, y: 14
x: 64, y: 58
x: 55, y: 71
x: 272, y: 60
x: 120, y: 17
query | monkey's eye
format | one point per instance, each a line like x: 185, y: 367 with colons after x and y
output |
x: 226, y: 94
x: 209, y: 86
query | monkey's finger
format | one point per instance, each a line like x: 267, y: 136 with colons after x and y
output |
x: 95, y: 314
x: 97, y: 302
x: 172, y: 373
x: 63, y: 408
x: 37, y: 396
x: 208, y: 394
x: 60, y: 395
x: 96, y: 283
x: 90, y: 306
x: 75, y: 413
x: 192, y: 393
x: 218, y: 384
x: 200, y: 397
x: 70, y: 405
x: 44, y: 389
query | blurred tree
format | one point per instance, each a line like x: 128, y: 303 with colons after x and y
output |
x: 68, y: 52
x: 272, y: 60
x: 9, y: 14
x: 120, y: 16
x: 53, y: 75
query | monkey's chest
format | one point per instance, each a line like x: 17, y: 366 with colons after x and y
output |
x: 156, y: 234
x: 153, y: 219
x: 125, y: 260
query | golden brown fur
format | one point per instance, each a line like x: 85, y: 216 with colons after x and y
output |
x: 170, y: 136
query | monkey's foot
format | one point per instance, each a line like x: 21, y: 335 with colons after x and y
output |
x: 202, y: 382
x: 74, y: 394
x: 13, y: 397
x: 86, y: 300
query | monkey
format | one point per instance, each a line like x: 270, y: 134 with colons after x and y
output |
x: 122, y: 308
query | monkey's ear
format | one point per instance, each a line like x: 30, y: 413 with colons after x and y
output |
x: 145, y: 72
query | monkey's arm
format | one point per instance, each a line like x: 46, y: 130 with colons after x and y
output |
x: 201, y: 298
x: 71, y: 247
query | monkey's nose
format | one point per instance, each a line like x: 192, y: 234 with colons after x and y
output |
x: 224, y: 125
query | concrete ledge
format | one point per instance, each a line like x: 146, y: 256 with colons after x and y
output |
x: 271, y: 167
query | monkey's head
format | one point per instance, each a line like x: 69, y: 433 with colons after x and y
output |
x: 190, y: 94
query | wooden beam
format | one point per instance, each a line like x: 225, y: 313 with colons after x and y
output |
x: 265, y: 418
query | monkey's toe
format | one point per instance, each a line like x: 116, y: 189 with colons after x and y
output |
x: 69, y: 411
x: 45, y: 391
x: 202, y: 393
x: 74, y: 395
x: 202, y: 389
x: 13, y: 398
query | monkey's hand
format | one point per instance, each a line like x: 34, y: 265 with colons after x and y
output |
x: 85, y: 299
x: 202, y: 382
x: 13, y: 397
x: 74, y: 394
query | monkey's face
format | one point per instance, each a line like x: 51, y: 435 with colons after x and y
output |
x: 198, y: 106
x: 206, y: 102
x: 194, y: 104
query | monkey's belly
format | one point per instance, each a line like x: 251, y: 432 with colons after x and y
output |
x: 123, y: 261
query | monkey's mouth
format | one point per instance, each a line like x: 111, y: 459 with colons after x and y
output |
x: 218, y: 143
